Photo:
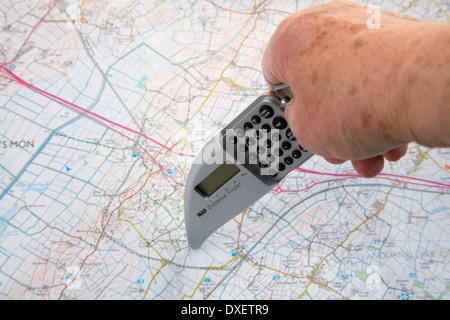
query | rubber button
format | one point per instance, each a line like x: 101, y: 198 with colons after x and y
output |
x: 276, y: 137
x: 266, y: 112
x: 279, y: 123
x: 260, y: 149
x: 290, y: 135
x: 288, y: 160
x: 286, y: 145
x: 256, y: 120
x: 243, y: 148
x: 250, y: 141
x: 248, y: 126
x: 278, y: 152
x: 296, y: 154
x: 266, y: 128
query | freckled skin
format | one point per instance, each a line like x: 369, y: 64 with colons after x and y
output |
x: 353, y: 91
x: 358, y: 43
x: 359, y: 93
x: 354, y: 29
x: 367, y: 121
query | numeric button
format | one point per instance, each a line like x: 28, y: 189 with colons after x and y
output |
x: 256, y: 120
x: 278, y: 152
x: 250, y: 141
x: 288, y: 160
x: 290, y: 135
x: 248, y: 126
x: 243, y: 148
x: 296, y: 154
x: 279, y: 123
x: 266, y: 128
x: 286, y: 145
x: 266, y: 112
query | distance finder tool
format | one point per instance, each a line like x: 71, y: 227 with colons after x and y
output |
x: 246, y: 160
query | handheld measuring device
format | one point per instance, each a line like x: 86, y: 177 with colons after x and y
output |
x: 246, y: 160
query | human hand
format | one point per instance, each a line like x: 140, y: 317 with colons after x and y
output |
x: 349, y: 82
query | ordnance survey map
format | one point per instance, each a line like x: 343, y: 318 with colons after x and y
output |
x: 104, y: 106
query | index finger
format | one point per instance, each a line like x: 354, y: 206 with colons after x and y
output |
x: 273, y: 62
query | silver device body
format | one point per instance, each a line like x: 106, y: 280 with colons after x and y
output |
x: 245, y: 161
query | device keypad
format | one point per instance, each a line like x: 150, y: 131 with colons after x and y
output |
x: 262, y: 117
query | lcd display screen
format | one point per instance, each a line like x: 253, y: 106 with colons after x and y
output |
x: 216, y: 179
